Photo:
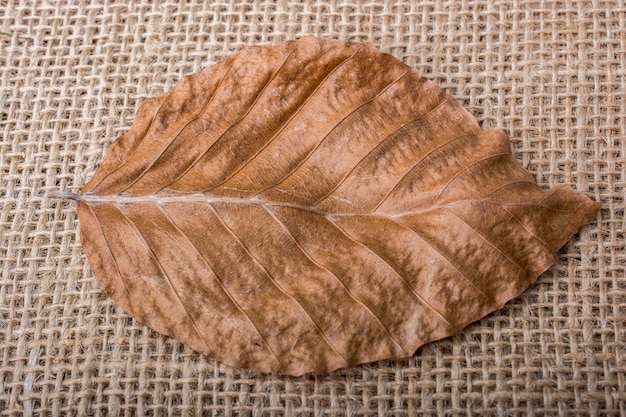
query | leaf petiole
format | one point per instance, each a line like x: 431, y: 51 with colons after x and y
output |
x: 65, y: 195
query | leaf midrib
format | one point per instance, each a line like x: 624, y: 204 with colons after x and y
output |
x: 117, y: 199
x: 255, y: 201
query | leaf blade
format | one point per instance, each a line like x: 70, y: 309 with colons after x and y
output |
x: 323, y: 217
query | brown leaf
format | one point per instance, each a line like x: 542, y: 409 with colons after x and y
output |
x: 316, y: 205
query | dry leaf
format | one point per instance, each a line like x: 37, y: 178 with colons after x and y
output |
x: 315, y: 205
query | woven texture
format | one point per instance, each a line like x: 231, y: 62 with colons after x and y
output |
x: 72, y: 75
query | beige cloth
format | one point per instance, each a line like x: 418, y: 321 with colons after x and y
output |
x: 72, y: 75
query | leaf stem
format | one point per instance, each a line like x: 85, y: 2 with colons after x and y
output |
x: 65, y: 195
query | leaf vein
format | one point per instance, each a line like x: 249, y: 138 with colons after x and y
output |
x: 484, y: 238
x: 508, y: 184
x: 219, y: 280
x: 117, y: 267
x: 426, y: 155
x: 535, y: 235
x: 318, y: 144
x: 378, y: 146
x: 171, y: 141
x: 551, y: 208
x: 278, y: 286
x: 142, y: 240
x: 466, y: 168
x: 284, y: 125
x: 322, y: 267
x: 239, y: 119
x: 404, y: 281
x: 445, y: 258
x: 134, y: 151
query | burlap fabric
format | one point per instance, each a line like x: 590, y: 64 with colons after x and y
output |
x: 72, y: 75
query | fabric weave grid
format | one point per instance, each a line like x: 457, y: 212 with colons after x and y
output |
x: 72, y: 76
